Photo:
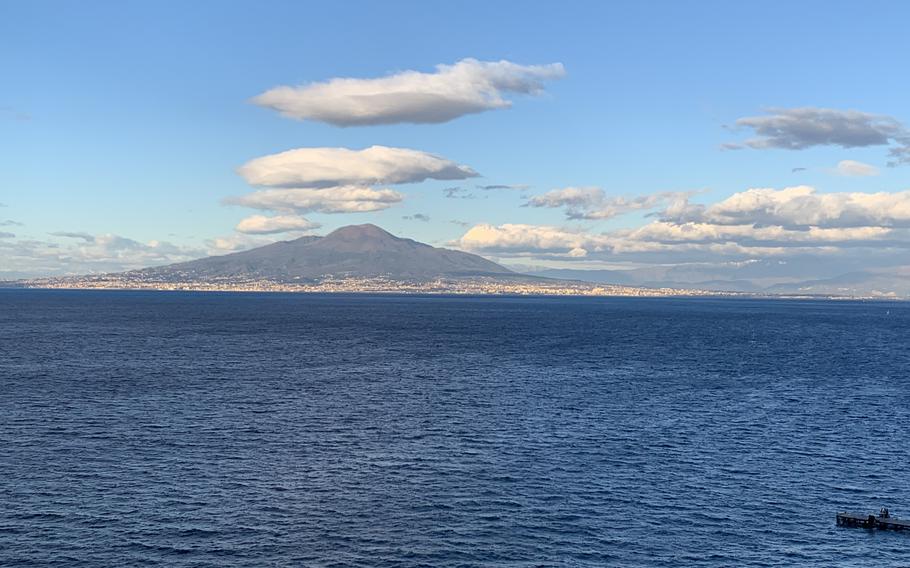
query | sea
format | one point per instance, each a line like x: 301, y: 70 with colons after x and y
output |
x: 247, y: 429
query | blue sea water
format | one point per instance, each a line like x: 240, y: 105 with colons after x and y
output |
x: 205, y: 429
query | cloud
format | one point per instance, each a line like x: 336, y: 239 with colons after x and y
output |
x: 460, y: 223
x: 855, y: 169
x: 328, y: 167
x: 668, y: 232
x: 74, y: 235
x: 416, y: 217
x: 520, y: 187
x: 262, y: 225
x: 803, y: 206
x: 87, y: 254
x: 5, y: 235
x: 806, y: 127
x: 469, y: 86
x: 457, y: 193
x: 661, y: 241
x: 521, y: 238
x: 339, y: 180
x: 593, y: 203
x: 900, y: 154
x: 799, y: 128
x: 750, y: 224
x: 345, y: 199
x: 10, y: 223
x: 235, y: 243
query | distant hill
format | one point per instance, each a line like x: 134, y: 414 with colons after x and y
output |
x: 359, y: 251
x: 757, y: 277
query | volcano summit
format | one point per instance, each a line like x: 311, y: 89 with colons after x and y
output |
x: 356, y: 258
x: 355, y: 251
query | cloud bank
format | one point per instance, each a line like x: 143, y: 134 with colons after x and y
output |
x: 803, y: 206
x: 84, y: 253
x: 754, y: 223
x: 469, y: 86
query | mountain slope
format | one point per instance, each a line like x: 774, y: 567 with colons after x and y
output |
x: 352, y: 251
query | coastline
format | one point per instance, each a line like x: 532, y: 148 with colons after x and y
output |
x: 466, y: 291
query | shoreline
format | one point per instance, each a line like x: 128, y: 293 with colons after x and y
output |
x: 641, y: 293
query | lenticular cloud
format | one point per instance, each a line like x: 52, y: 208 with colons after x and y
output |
x: 339, y: 180
x: 330, y: 167
x: 469, y: 86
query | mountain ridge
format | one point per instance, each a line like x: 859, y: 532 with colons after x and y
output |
x: 360, y: 251
x: 892, y: 282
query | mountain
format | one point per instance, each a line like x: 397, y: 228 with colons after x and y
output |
x: 891, y: 283
x: 808, y: 276
x: 357, y: 258
x: 358, y: 251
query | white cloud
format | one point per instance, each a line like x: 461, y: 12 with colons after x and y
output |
x: 468, y: 86
x: 329, y: 167
x: 235, y: 243
x: 262, y: 225
x: 668, y: 232
x: 593, y: 203
x: 671, y: 242
x: 81, y: 253
x: 345, y: 199
x: 578, y: 252
x: 750, y: 224
x: 855, y: 169
x: 520, y: 238
x: 804, y: 206
x: 339, y: 180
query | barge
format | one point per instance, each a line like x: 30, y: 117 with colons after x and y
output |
x: 883, y: 520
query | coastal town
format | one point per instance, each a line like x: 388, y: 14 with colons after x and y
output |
x: 468, y: 286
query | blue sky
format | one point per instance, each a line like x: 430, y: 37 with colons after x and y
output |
x: 126, y: 122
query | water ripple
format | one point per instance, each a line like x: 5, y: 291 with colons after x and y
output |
x: 234, y: 430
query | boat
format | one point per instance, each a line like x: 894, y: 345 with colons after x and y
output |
x: 883, y: 520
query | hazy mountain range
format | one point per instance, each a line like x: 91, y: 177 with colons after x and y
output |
x: 807, y: 276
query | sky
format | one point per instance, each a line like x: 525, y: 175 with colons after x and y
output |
x: 548, y: 134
